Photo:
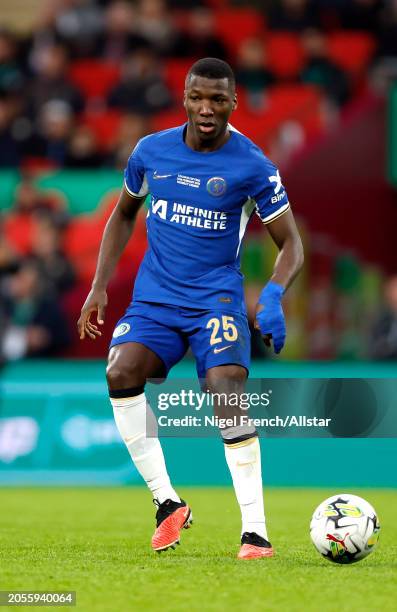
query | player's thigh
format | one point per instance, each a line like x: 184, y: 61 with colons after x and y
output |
x: 151, y: 349
x: 221, y: 339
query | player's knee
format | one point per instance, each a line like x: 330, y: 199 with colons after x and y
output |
x: 121, y: 374
x: 225, y: 378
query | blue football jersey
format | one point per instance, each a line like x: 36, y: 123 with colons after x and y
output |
x: 200, y: 204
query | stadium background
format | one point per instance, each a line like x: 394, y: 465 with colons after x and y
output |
x: 80, y: 82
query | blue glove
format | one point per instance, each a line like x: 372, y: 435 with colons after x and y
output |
x: 271, y: 319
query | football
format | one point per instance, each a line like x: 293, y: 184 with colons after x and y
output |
x: 344, y: 528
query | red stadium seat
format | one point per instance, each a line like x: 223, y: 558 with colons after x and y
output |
x: 300, y: 103
x: 291, y: 99
x: 175, y: 71
x: 105, y: 126
x: 351, y: 50
x: 83, y: 236
x: 18, y: 231
x: 253, y: 125
x: 82, y: 241
x: 234, y: 25
x: 285, y: 54
x: 168, y: 119
x: 94, y: 78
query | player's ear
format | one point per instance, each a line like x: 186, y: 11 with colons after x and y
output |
x: 184, y: 98
x: 235, y: 102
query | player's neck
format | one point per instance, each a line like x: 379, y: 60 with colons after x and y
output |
x: 193, y: 141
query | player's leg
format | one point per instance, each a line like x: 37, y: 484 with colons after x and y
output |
x: 131, y: 363
x: 243, y: 457
x: 221, y: 345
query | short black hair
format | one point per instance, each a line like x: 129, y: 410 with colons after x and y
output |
x: 212, y: 68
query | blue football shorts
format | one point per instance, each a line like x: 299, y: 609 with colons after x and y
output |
x: 215, y: 337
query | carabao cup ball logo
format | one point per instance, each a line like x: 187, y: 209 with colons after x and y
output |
x: 216, y: 186
x: 121, y: 329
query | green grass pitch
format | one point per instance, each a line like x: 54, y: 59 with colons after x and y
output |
x: 97, y: 543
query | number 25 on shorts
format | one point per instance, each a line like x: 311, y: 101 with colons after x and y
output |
x: 228, y: 331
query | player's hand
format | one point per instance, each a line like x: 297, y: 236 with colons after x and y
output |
x: 270, y: 316
x: 96, y: 302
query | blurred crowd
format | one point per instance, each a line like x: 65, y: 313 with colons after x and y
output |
x: 43, y: 108
x: 55, y: 112
x: 34, y: 277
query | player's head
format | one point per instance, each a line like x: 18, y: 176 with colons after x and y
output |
x: 210, y: 97
x: 214, y: 69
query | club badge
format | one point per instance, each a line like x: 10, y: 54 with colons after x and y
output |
x: 121, y: 329
x: 216, y: 186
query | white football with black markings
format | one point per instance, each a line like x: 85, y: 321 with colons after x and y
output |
x: 344, y: 528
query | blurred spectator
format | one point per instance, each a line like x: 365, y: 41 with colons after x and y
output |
x: 33, y: 324
x: 383, y: 334
x: 118, y: 38
x: 29, y: 199
x: 11, y: 76
x: 132, y: 128
x: 82, y: 149
x: 293, y: 15
x: 154, y: 23
x: 78, y: 23
x: 9, y: 149
x: 201, y: 40
x: 51, y: 81
x: 252, y: 71
x: 43, y: 33
x: 51, y: 138
x: 286, y: 142
x: 55, y: 269
x: 320, y: 70
x: 141, y: 88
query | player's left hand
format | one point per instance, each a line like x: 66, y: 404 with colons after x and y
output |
x: 270, y: 316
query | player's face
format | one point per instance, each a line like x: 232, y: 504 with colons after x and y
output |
x: 209, y: 104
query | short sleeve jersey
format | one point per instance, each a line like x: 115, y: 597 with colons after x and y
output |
x: 200, y: 204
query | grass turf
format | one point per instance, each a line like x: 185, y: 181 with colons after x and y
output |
x: 97, y: 543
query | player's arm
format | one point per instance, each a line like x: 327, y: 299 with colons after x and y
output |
x: 114, y: 240
x: 269, y: 312
x: 288, y: 241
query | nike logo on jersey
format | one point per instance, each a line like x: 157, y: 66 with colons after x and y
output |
x: 160, y: 176
x: 222, y: 348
